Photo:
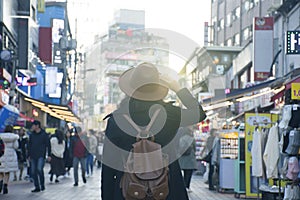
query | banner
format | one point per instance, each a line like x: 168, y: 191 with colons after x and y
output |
x: 8, y: 116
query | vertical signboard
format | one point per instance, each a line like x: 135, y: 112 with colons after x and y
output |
x: 293, y: 42
x: 262, y: 47
x: 41, y: 6
x: 23, y: 39
x: 45, y: 44
x: 51, y: 80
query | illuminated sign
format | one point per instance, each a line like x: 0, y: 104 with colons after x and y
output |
x: 293, y: 42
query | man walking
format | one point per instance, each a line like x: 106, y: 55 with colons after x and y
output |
x: 79, y: 142
x: 38, y: 145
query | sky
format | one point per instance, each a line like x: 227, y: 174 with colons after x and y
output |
x: 183, y: 17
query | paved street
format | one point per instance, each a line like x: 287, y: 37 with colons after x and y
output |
x: 21, y: 190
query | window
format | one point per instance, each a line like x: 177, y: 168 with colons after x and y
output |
x: 246, y: 33
x: 236, y: 39
x: 236, y: 13
x: 228, y: 19
x: 247, y: 5
x: 221, y: 24
x: 229, y: 42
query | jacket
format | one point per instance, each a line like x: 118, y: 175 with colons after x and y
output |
x: 57, y: 149
x: 9, y: 161
x: 39, y: 145
x: 119, y: 137
x: 76, y: 138
x: 187, y: 161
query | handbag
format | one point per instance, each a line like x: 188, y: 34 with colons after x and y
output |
x: 207, y: 157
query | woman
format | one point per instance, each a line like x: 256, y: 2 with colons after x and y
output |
x: 145, y: 89
x: 9, y: 161
x: 207, y: 153
x: 57, y: 149
x: 187, y: 161
x: 67, y: 154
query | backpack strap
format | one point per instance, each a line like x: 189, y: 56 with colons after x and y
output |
x: 139, y: 130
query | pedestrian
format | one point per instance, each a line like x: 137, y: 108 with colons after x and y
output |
x: 38, y: 147
x: 91, y: 152
x: 67, y: 153
x: 187, y: 161
x: 21, y: 152
x: 145, y: 91
x: 207, y: 153
x: 57, y: 163
x: 79, y: 142
x: 99, y: 150
x: 9, y: 161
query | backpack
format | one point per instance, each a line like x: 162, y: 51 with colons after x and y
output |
x: 2, y: 147
x: 146, y: 170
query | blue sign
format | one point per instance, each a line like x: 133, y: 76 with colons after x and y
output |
x: 293, y: 42
x: 8, y: 116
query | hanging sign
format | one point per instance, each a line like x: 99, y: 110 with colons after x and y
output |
x: 295, y: 91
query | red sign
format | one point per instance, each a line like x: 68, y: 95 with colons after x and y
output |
x: 263, y: 23
x: 261, y: 76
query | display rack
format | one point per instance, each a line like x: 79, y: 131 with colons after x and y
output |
x: 228, y: 156
x: 240, y: 182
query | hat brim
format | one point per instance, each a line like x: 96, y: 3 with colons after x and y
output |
x: 149, y: 92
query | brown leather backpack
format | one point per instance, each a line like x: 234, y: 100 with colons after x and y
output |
x: 146, y: 169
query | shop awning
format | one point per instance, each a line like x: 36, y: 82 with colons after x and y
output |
x: 242, y: 92
x: 63, y: 112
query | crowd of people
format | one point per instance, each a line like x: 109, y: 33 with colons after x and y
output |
x: 26, y: 152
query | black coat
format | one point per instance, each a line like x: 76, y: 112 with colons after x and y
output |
x: 117, y: 143
x: 39, y: 145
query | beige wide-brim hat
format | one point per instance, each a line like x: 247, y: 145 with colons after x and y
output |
x: 143, y: 82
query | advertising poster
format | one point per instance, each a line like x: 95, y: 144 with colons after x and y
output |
x: 252, y: 121
x: 8, y: 116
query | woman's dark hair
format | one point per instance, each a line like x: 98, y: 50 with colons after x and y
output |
x: 60, y: 135
x: 9, y: 129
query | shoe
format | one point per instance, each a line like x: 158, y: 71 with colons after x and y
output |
x: 56, y: 181
x: 84, y: 179
x: 20, y: 178
x: 42, y: 188
x: 5, y: 190
x: 51, y: 178
x: 211, y: 188
x: 189, y: 190
x: 75, y: 184
x: 15, y: 178
x: 35, y: 190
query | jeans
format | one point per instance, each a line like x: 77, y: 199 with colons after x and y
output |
x: 210, y: 175
x: 187, y: 177
x: 76, y: 161
x: 89, y: 163
x: 37, y: 172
